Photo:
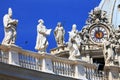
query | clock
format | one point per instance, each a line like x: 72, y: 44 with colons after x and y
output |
x: 98, y: 32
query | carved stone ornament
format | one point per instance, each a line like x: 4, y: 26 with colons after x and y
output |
x: 97, y: 16
x: 97, y: 27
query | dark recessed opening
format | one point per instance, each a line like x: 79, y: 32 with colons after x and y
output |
x: 119, y: 7
x: 100, y: 62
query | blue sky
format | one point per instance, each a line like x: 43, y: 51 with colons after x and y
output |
x: 51, y: 11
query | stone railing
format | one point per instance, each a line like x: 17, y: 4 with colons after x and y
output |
x: 77, y: 69
x: 30, y: 61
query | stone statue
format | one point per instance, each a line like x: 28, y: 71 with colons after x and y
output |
x: 109, y: 51
x: 85, y: 35
x: 74, y: 43
x: 59, y: 34
x: 42, y: 32
x: 9, y: 28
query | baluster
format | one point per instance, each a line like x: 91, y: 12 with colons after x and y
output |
x: 34, y: 63
x: 26, y: 61
x: 53, y: 65
x: 23, y: 60
x: 19, y: 59
x: 90, y: 73
x: 93, y: 74
x: 72, y: 67
x: 56, y: 67
x: 73, y: 70
x: 63, y: 69
x: 87, y: 73
x: 29, y: 61
x: 0, y: 56
x: 67, y: 69
x: 4, y: 57
x: 40, y: 64
x: 60, y: 68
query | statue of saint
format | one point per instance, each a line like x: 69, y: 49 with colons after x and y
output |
x: 74, y: 43
x: 59, y: 34
x: 42, y: 32
x: 109, y: 51
x: 9, y: 28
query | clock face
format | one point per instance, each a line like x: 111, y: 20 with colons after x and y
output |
x: 98, y: 33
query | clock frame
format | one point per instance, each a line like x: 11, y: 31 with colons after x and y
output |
x: 98, y: 32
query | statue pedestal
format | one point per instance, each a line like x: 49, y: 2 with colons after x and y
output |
x: 10, y: 54
x: 61, y: 51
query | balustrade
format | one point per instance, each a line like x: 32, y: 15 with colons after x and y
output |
x: 48, y: 63
x: 63, y: 68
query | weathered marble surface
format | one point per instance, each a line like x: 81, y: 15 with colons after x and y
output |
x: 42, y: 32
x: 10, y: 26
x: 59, y: 34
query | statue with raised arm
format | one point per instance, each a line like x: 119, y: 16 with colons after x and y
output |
x: 59, y: 34
x: 42, y: 32
x: 9, y: 28
x: 74, y: 43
